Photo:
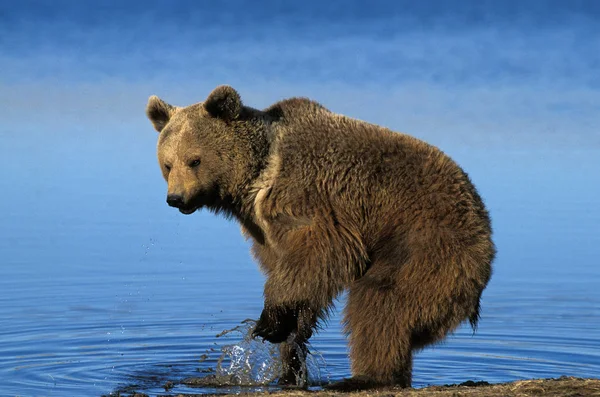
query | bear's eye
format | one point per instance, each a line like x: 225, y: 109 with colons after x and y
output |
x: 195, y: 163
x: 167, y: 167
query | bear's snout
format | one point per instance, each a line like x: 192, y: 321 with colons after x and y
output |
x: 175, y: 200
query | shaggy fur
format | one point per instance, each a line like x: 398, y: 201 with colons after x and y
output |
x: 332, y: 204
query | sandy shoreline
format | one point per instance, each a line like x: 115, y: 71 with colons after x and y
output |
x: 564, y: 386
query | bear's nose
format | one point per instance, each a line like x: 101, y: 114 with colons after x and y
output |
x: 175, y: 200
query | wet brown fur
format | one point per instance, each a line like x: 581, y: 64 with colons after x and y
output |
x: 331, y: 204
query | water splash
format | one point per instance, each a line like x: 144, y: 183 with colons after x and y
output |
x: 254, y: 363
x: 249, y: 362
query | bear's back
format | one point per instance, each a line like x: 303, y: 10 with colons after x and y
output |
x: 331, y: 148
x: 371, y: 177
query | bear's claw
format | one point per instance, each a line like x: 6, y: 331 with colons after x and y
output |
x: 275, y: 325
x: 270, y: 334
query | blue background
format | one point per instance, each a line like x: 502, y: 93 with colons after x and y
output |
x: 89, y: 249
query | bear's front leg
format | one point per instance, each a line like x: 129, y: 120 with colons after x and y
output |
x: 292, y: 328
x: 315, y: 262
x: 293, y: 361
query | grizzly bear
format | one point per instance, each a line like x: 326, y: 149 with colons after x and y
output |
x: 332, y: 203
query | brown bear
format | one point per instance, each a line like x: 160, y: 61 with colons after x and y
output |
x: 332, y: 203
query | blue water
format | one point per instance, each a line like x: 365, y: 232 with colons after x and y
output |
x: 102, y: 286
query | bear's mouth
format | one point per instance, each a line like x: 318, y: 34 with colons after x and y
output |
x: 188, y: 211
x: 198, y: 201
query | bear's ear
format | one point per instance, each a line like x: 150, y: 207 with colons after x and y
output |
x: 159, y: 112
x: 224, y: 102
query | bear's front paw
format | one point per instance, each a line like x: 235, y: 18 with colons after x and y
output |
x: 275, y: 324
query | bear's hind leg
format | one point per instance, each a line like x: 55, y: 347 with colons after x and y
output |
x: 380, y: 343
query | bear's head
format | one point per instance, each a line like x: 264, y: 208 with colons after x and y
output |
x: 207, y: 151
